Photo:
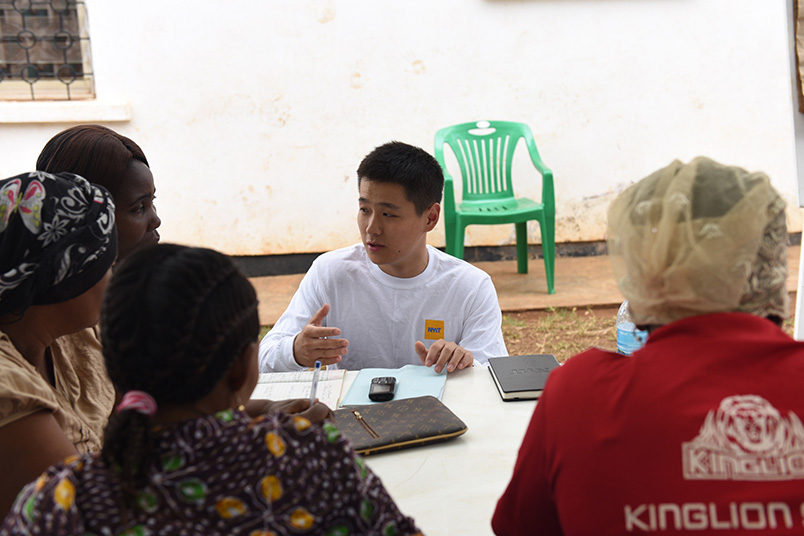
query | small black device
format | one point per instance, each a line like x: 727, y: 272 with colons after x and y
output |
x: 382, y: 388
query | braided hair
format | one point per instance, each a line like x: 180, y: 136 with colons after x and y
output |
x: 174, y: 319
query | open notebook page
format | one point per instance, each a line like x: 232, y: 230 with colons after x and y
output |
x: 284, y: 385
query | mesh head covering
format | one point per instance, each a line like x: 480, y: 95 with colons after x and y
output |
x: 57, y: 238
x: 700, y: 238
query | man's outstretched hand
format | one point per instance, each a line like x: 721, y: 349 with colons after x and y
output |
x: 313, y: 342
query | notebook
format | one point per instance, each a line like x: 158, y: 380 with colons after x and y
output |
x: 286, y: 385
x: 521, y: 377
x: 411, y: 381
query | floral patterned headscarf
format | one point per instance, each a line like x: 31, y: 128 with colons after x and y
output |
x: 57, y: 238
x: 700, y: 238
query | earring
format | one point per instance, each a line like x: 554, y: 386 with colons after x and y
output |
x: 240, y: 405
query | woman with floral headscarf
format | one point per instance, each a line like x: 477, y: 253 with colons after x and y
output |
x: 57, y: 246
x: 700, y: 430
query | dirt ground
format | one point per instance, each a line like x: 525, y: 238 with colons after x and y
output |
x: 565, y: 332
x: 561, y: 332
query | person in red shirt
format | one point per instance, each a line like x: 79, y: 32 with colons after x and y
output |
x: 701, y: 429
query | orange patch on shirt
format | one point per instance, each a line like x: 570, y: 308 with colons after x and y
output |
x: 434, y: 329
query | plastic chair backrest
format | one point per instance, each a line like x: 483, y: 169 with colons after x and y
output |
x: 485, y: 151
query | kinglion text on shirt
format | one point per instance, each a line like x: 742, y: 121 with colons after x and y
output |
x: 746, y: 439
x: 699, y: 516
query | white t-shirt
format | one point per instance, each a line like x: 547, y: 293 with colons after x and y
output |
x: 383, y: 316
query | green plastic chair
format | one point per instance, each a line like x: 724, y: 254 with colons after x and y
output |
x: 485, y: 150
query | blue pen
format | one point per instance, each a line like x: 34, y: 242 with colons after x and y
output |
x: 315, y: 382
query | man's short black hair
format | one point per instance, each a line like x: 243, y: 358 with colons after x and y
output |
x: 411, y: 167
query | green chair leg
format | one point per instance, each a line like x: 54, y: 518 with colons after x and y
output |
x: 549, y: 253
x: 457, y: 245
x: 522, y: 247
x: 549, y: 270
x: 449, y: 245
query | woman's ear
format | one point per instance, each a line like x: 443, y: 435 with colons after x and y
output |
x: 244, y: 368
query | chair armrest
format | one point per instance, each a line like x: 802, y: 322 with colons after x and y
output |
x: 535, y: 157
x: 548, y: 193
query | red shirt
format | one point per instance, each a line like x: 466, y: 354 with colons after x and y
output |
x: 700, y: 430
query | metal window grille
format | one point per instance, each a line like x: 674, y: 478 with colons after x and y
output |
x: 44, y: 50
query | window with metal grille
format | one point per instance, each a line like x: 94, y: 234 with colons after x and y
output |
x: 44, y: 50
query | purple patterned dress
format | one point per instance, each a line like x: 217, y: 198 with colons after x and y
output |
x: 222, y: 474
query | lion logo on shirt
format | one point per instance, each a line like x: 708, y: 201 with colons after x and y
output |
x: 746, y: 438
x: 751, y: 424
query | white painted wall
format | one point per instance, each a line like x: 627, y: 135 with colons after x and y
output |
x: 254, y: 114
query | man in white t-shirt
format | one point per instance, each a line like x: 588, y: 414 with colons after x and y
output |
x: 391, y: 300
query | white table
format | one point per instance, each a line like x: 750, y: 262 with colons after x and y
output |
x: 453, y: 487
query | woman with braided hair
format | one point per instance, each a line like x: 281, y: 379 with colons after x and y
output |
x: 57, y: 246
x: 180, y: 455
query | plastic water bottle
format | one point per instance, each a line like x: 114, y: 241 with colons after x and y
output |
x: 629, y: 338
